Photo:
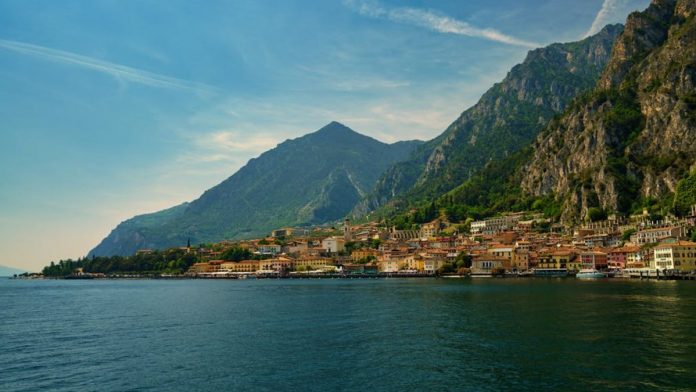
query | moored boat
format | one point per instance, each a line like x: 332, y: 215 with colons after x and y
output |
x: 550, y: 272
x: 590, y: 274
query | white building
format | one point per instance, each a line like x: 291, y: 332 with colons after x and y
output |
x: 680, y: 255
x: 495, y: 225
x: 269, y: 249
x: 334, y: 244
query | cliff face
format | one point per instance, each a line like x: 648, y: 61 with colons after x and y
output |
x: 506, y: 118
x: 634, y: 136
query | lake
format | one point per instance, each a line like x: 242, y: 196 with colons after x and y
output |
x: 324, y: 335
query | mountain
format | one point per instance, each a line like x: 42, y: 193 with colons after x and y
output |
x: 9, y: 271
x: 506, y: 118
x: 630, y: 143
x: 314, y: 179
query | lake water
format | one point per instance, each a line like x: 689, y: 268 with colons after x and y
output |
x: 325, y: 335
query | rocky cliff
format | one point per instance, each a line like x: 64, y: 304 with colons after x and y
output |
x: 633, y: 137
x: 506, y: 118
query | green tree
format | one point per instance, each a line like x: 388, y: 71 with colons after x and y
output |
x: 236, y: 253
x: 596, y: 214
x: 685, y: 196
x: 627, y: 234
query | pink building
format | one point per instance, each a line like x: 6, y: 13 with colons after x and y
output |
x: 596, y: 260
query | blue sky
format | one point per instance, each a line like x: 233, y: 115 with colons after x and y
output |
x: 115, y: 108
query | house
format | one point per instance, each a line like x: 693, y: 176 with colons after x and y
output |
x: 556, y: 259
x: 504, y: 251
x: 593, y: 259
x: 241, y: 266
x: 495, y: 225
x: 523, y: 245
x: 390, y: 265
x: 364, y: 254
x: 295, y: 247
x: 334, y: 244
x: 430, y: 229
x: 211, y: 266
x: 399, y: 261
x: 268, y: 249
x: 432, y: 264
x: 679, y: 255
x: 485, y: 264
x: 596, y: 240
x: 520, y: 260
x: 655, y: 235
x: 314, y: 263
x: 404, y: 235
x: 279, y: 264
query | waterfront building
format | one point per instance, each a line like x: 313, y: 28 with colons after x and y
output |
x: 279, y: 264
x: 314, y: 263
x: 679, y: 255
x: 592, y: 259
x: 211, y: 266
x: 432, y: 264
x: 364, y: 253
x: 390, y: 265
x: 520, y: 260
x: 241, y: 266
x: 485, y: 264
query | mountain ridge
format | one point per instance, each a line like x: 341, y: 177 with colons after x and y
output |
x: 627, y: 145
x: 312, y: 179
x: 507, y: 117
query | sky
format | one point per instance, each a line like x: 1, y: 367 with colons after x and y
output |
x: 114, y: 108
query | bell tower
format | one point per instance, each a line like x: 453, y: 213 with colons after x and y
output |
x: 347, y: 235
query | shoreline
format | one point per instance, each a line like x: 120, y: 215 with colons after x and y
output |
x: 687, y: 277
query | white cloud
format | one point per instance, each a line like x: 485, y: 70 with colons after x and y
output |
x: 613, y: 11
x: 609, y: 8
x: 120, y: 72
x: 433, y: 21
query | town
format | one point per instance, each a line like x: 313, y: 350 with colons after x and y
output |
x: 512, y: 244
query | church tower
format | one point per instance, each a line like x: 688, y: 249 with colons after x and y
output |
x: 347, y: 235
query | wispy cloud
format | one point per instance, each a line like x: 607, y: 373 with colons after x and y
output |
x: 609, y: 8
x: 433, y: 21
x: 613, y: 11
x: 120, y: 72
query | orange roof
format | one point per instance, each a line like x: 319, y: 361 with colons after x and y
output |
x: 677, y: 243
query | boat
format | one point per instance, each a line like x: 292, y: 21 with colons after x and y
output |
x: 550, y: 272
x: 590, y: 274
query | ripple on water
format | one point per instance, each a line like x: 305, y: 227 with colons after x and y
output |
x: 380, y: 335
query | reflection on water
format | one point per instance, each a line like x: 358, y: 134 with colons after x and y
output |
x: 383, y: 335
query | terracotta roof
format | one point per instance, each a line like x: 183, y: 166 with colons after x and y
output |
x: 677, y: 243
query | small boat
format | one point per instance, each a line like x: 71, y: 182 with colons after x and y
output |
x: 590, y: 274
x: 550, y: 272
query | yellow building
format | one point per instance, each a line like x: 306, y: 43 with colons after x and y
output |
x: 314, y: 263
x: 364, y: 253
x: 277, y: 264
x: 211, y: 266
x: 241, y: 266
x: 680, y: 255
x: 520, y: 260
x: 398, y: 263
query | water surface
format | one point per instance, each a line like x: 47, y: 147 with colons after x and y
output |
x: 321, y: 335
